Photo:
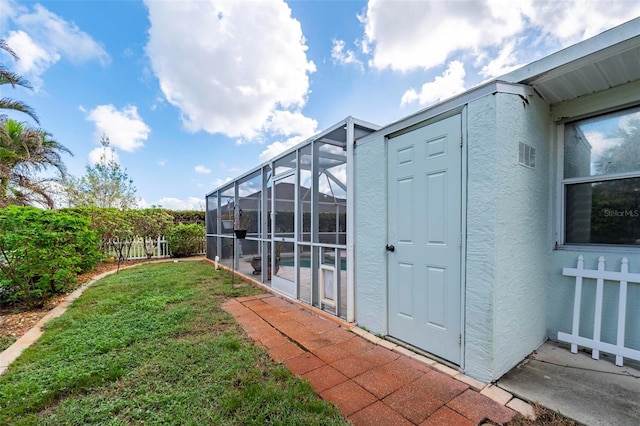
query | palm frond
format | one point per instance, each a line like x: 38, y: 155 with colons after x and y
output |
x: 8, y: 103
x: 9, y: 77
x: 4, y: 46
x: 24, y: 153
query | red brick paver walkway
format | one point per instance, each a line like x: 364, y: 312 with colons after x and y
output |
x: 370, y: 384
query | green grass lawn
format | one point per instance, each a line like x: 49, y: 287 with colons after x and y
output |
x: 6, y: 341
x: 152, y: 345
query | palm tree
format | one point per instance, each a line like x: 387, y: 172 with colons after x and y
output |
x: 8, y: 77
x: 24, y: 153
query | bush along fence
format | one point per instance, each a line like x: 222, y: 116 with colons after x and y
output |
x: 42, y: 251
x: 145, y: 248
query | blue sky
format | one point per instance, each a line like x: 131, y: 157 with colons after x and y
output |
x: 193, y: 93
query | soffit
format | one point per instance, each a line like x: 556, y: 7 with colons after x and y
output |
x: 595, y: 73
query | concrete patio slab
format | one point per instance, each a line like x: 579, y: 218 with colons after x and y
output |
x: 592, y: 392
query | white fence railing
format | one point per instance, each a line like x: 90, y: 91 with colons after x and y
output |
x: 137, y: 249
x: 623, y: 277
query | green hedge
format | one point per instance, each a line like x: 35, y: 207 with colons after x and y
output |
x: 185, y: 240
x: 41, y: 252
x: 186, y: 217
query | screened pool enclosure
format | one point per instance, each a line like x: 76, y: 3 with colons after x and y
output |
x: 296, y: 213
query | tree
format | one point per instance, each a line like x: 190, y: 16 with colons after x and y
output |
x: 150, y: 224
x: 8, y: 77
x: 24, y: 153
x: 106, y: 184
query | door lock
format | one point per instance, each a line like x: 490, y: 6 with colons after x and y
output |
x: 390, y: 247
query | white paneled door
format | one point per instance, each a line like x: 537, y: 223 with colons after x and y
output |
x: 424, y: 247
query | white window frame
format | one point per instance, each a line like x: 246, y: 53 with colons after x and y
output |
x: 564, y: 182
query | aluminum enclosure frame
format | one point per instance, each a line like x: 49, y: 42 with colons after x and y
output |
x: 316, y: 178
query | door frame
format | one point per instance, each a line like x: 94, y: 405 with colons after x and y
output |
x: 462, y: 111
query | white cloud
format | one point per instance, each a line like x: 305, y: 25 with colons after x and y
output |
x: 34, y: 59
x: 61, y: 36
x: 327, y: 186
x: 433, y: 31
x: 162, y: 163
x: 143, y: 204
x: 450, y: 83
x: 573, y: 21
x: 190, y: 203
x: 221, y: 181
x: 103, y: 155
x: 278, y: 147
x: 294, y: 126
x: 289, y: 123
x: 125, y: 129
x: 159, y: 101
x: 202, y: 169
x: 505, y: 62
x: 44, y: 38
x: 629, y: 123
x: 340, y: 56
x: 9, y: 10
x: 229, y: 66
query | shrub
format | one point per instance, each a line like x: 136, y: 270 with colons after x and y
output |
x: 185, y: 240
x: 149, y: 224
x: 112, y: 226
x: 187, y: 217
x: 41, y: 252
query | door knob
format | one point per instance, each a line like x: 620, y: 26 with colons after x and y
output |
x: 390, y: 247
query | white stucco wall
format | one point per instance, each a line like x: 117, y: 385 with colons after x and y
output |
x: 522, y: 247
x: 507, y: 233
x: 506, y: 241
x: 482, y: 159
x: 371, y: 235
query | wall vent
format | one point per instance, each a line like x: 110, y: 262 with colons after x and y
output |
x: 527, y: 155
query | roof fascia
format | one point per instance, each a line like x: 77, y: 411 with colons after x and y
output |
x: 452, y: 104
x: 603, y: 45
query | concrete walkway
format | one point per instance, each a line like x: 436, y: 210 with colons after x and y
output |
x: 592, y: 392
x: 371, y: 380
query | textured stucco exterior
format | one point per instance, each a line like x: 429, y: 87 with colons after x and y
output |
x: 482, y: 182
x: 507, y: 233
x: 506, y: 239
x: 371, y: 235
x: 522, y: 236
x: 515, y: 296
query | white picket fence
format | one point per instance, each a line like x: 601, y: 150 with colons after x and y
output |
x: 159, y: 249
x: 623, y: 278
